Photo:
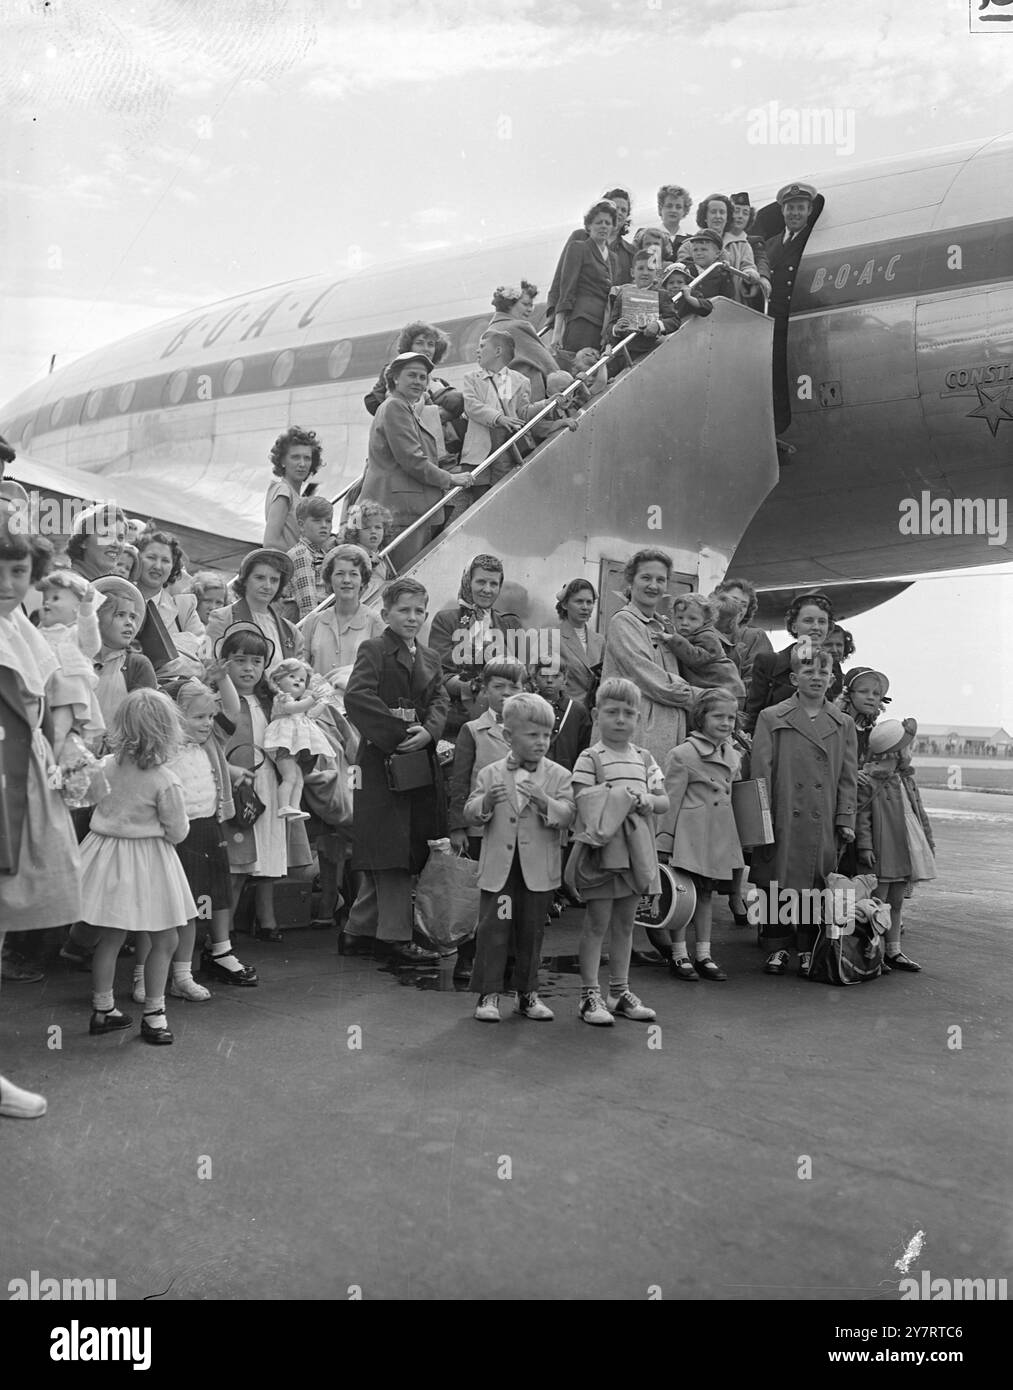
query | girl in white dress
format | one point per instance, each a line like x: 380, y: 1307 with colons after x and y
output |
x: 132, y: 880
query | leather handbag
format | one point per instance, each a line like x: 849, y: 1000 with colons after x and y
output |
x: 407, y: 772
x: 249, y: 806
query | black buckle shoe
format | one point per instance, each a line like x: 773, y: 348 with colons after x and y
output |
x: 105, y: 1021
x: 158, y: 1037
x: 246, y: 975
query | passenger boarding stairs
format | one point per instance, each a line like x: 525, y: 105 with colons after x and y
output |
x: 679, y: 452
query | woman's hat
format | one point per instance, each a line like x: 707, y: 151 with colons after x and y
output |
x: 122, y: 588
x: 892, y: 736
x: 277, y: 559
x: 856, y: 671
x: 403, y: 358
x: 244, y: 627
x: 706, y: 234
x: 740, y: 200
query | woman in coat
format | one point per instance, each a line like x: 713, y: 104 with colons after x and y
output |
x: 391, y: 689
x: 636, y: 649
x: 514, y: 305
x: 586, y: 274
x: 402, y: 472
x: 581, y: 649
x: 468, y: 634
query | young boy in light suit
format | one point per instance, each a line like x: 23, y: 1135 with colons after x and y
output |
x: 524, y: 802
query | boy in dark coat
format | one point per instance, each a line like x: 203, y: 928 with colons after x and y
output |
x: 808, y: 752
x: 397, y: 702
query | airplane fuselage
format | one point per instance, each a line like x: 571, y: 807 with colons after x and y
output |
x: 900, y: 366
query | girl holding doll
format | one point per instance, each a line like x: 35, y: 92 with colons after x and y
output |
x: 131, y: 877
x: 698, y: 834
x: 266, y: 849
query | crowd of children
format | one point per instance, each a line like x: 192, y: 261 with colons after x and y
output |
x: 144, y: 800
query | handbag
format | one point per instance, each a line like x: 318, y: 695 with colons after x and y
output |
x: 447, y: 899
x: 249, y: 806
x: 407, y: 772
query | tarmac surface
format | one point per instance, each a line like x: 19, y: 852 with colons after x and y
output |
x: 448, y: 1159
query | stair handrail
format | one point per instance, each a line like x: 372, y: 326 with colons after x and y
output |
x: 453, y: 493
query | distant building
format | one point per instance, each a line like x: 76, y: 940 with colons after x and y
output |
x: 962, y: 741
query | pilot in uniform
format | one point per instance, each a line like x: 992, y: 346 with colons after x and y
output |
x: 784, y: 252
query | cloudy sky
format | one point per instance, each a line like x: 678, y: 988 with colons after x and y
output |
x: 161, y: 155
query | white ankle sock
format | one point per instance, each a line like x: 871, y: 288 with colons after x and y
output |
x: 156, y: 1007
x: 182, y: 970
x: 104, y: 1003
x: 222, y: 954
x: 703, y: 950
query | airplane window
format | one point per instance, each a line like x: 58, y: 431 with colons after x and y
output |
x: 27, y: 432
x: 338, y: 359
x: 126, y: 397
x: 56, y: 414
x: 177, y: 387
x: 282, y: 368
x: 233, y: 376
x: 93, y: 404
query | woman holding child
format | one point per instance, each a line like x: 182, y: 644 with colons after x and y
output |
x: 637, y: 649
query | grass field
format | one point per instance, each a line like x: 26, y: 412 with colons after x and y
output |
x: 976, y: 774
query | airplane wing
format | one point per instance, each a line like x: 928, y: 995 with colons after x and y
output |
x: 213, y: 536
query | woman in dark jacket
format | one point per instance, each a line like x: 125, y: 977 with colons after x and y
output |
x: 469, y: 633
x: 809, y: 616
x: 395, y: 696
x: 586, y: 274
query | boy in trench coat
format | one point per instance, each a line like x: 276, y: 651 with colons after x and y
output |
x: 808, y: 752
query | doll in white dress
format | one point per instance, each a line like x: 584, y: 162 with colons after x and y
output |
x: 291, y: 732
